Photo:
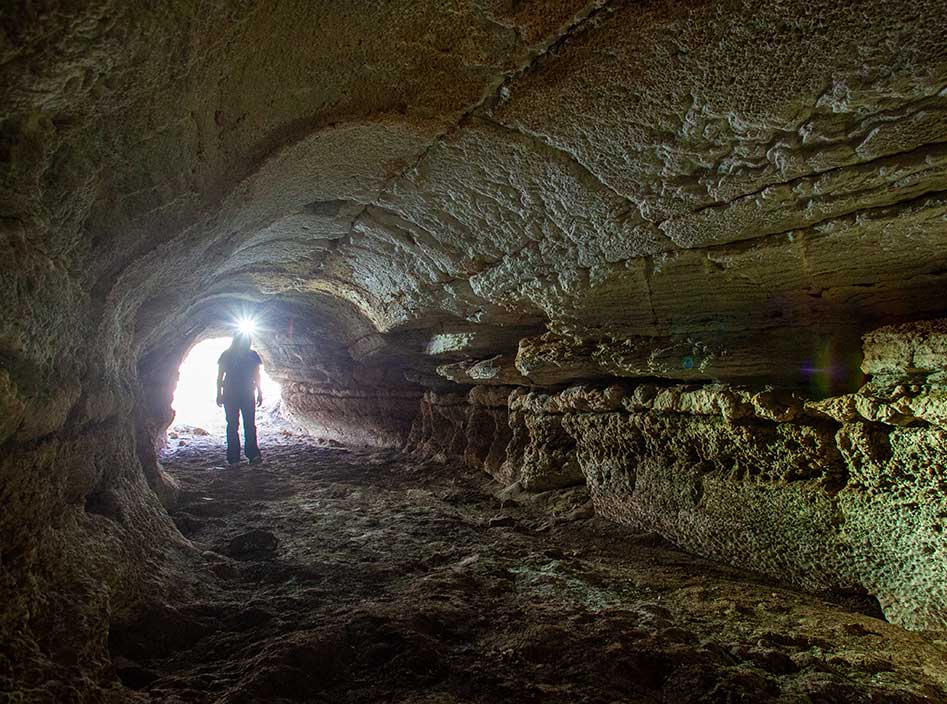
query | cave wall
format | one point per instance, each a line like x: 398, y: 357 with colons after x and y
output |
x: 534, y: 195
x: 340, y: 380
x: 844, y: 494
x: 85, y: 543
x: 472, y: 426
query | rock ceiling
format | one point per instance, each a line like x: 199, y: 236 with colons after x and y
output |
x: 503, y: 233
x: 732, y: 183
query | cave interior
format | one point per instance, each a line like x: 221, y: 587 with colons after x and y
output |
x: 611, y: 340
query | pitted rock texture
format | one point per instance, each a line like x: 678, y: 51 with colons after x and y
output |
x: 842, y: 494
x: 420, y: 198
x: 916, y: 349
x: 492, y: 429
x: 543, y: 458
x: 475, y: 428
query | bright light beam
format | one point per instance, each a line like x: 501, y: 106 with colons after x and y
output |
x: 194, y: 396
x: 246, y: 325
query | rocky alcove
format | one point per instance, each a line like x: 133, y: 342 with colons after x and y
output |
x: 611, y: 339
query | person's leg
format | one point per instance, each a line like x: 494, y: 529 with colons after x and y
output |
x: 248, y: 409
x: 233, y: 432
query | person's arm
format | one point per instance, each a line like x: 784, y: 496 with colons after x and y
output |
x: 256, y: 383
x: 220, y: 385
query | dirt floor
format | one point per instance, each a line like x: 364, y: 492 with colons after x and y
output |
x: 366, y: 576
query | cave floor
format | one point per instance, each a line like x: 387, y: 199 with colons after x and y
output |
x: 366, y: 576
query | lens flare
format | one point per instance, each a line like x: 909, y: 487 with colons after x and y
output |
x: 246, y: 325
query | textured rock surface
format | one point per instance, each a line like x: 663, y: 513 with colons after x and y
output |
x: 417, y: 199
x: 844, y: 494
x: 473, y: 427
x: 412, y: 583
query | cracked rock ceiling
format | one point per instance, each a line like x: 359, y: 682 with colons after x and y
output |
x: 727, y: 183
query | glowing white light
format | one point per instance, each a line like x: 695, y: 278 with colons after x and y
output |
x: 246, y: 325
x: 194, y: 399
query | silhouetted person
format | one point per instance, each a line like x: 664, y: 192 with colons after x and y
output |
x: 239, y: 375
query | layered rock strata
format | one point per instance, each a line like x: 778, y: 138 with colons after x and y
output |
x: 358, y: 417
x: 845, y: 494
x: 472, y: 426
x: 533, y: 194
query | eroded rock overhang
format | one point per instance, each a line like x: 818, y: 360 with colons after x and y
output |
x: 450, y: 195
x: 668, y: 187
x: 844, y: 494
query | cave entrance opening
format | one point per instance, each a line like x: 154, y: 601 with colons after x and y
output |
x: 194, y: 400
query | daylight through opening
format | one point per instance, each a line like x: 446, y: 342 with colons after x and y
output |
x: 194, y: 399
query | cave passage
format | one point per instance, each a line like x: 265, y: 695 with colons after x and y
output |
x: 610, y: 340
x: 195, y: 393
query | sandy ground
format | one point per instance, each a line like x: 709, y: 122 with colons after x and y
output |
x: 367, y: 576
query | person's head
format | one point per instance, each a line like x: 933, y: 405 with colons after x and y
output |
x: 241, y: 342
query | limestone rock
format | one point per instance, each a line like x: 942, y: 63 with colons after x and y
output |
x: 689, y: 213
x: 911, y: 348
x: 548, y: 460
x: 473, y: 428
x: 497, y: 370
